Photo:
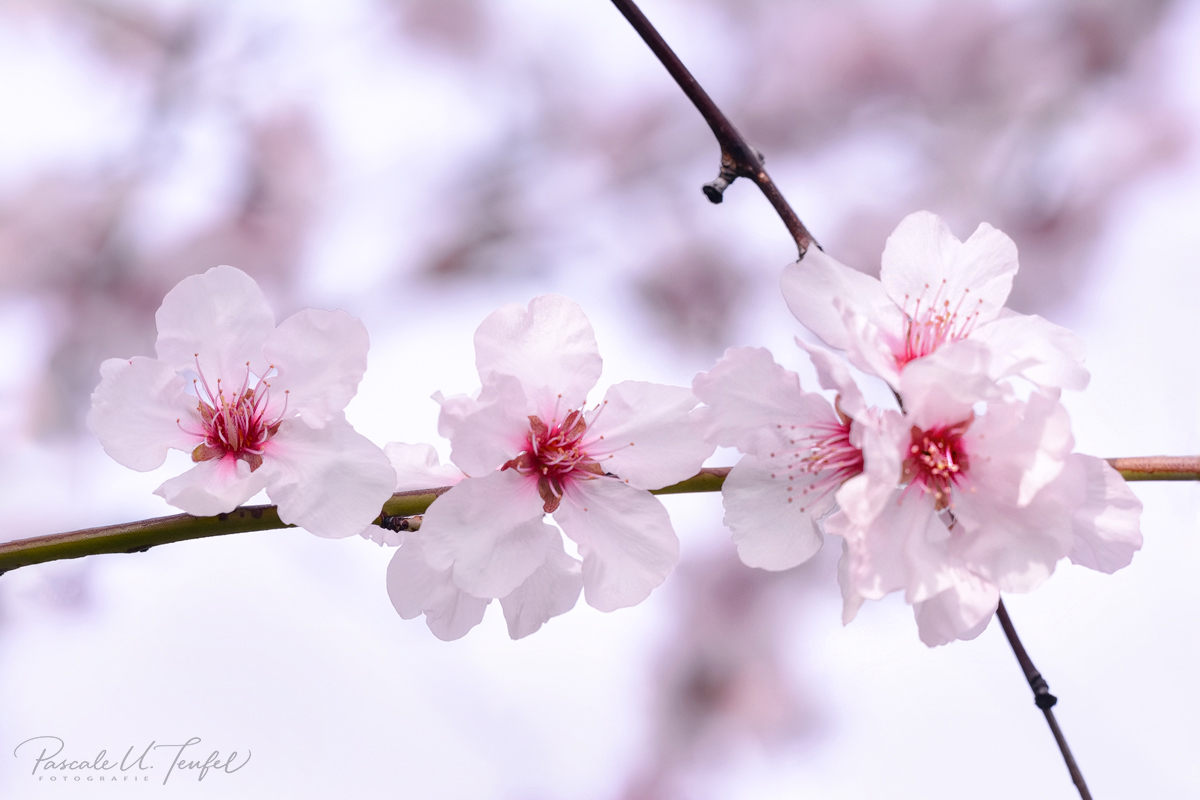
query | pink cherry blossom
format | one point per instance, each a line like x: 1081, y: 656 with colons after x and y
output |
x: 530, y: 446
x: 933, y: 291
x: 257, y: 407
x: 798, y: 451
x: 417, y: 588
x: 990, y: 499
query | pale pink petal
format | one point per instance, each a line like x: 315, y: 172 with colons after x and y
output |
x: 771, y: 514
x: 753, y: 404
x: 382, y: 536
x: 551, y: 590
x: 215, y: 487
x: 943, y: 388
x: 486, y: 432
x: 549, y: 347
x: 833, y: 375
x: 819, y: 291
x: 331, y: 481
x: 417, y: 466
x: 1045, y: 353
x: 625, y: 538
x: 416, y: 588
x: 869, y: 346
x: 905, y: 548
x: 960, y: 612
x: 645, y: 434
x: 140, y: 410
x: 221, y: 315
x: 1107, y: 524
x: 851, y: 600
x: 490, y: 531
x: 923, y: 259
x: 320, y: 357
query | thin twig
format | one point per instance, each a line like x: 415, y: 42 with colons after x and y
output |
x: 738, y: 158
x: 1042, y: 698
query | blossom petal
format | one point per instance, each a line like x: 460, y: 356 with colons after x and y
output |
x: 904, y: 548
x: 645, y: 434
x: 961, y: 612
x: 819, y: 291
x: 549, y: 346
x: 416, y: 588
x: 220, y: 317
x: 1107, y: 524
x: 490, y: 531
x: 833, y: 375
x: 417, y: 466
x: 140, y: 410
x: 923, y: 259
x: 331, y: 481
x: 215, y: 487
x: 851, y: 600
x: 486, y: 432
x: 625, y: 538
x: 943, y: 388
x: 551, y: 590
x: 752, y: 403
x: 320, y: 358
x: 773, y: 520
x: 1039, y: 350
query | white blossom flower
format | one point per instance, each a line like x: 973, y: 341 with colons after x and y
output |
x: 417, y: 588
x: 990, y: 499
x: 257, y: 406
x: 932, y: 292
x: 798, y: 449
x: 530, y: 448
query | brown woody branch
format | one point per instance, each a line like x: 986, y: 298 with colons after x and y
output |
x: 738, y: 158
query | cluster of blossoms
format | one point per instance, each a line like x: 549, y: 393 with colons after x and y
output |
x: 967, y: 488
x: 970, y: 487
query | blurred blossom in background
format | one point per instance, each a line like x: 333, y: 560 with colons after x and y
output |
x: 421, y: 162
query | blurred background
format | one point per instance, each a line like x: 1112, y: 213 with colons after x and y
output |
x: 420, y: 163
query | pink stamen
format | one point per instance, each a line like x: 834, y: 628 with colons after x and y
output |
x: 556, y: 454
x: 937, y: 461
x: 932, y: 323
x: 236, y: 425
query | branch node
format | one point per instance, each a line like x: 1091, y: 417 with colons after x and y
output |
x: 714, y: 190
x: 400, y: 523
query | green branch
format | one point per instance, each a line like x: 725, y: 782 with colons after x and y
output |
x: 137, y: 537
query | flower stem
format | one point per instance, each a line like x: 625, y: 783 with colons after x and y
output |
x: 1042, y: 698
x: 137, y: 537
x: 738, y: 159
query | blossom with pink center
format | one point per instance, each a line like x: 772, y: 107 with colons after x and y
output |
x: 799, y: 450
x: 416, y: 588
x: 933, y: 291
x: 530, y: 446
x: 255, y: 405
x: 990, y: 498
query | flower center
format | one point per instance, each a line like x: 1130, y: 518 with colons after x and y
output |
x: 555, y: 454
x: 235, y: 423
x: 937, y: 460
x: 827, y: 453
x: 932, y: 322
